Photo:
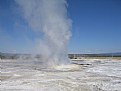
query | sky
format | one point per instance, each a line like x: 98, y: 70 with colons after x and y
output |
x: 96, y: 27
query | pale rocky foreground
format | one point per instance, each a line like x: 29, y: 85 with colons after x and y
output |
x: 94, y: 75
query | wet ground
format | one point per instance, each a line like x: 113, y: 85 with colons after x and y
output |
x: 89, y: 75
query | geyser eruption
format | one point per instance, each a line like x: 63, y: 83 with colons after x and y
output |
x: 50, y: 18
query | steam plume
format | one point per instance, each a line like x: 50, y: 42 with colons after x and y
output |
x: 50, y: 18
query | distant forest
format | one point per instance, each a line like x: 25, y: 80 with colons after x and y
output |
x: 71, y: 56
x: 94, y: 55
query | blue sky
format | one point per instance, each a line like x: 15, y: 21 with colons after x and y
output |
x: 96, y: 27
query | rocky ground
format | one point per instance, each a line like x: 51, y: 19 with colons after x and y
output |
x: 89, y: 75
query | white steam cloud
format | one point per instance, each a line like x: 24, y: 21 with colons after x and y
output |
x: 50, y: 18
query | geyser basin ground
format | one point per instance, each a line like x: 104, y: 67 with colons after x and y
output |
x: 66, y: 68
x: 101, y: 75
